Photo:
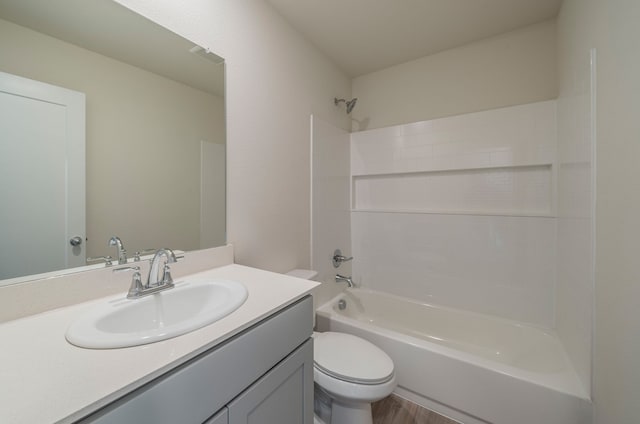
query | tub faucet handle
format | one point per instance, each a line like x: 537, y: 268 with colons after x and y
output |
x: 338, y: 259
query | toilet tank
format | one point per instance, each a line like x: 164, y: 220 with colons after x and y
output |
x: 305, y: 274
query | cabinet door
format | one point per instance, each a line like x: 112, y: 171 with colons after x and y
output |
x: 221, y: 417
x: 282, y: 396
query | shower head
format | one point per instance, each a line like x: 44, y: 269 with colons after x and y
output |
x: 349, y: 103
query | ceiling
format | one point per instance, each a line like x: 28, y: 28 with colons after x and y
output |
x: 363, y: 36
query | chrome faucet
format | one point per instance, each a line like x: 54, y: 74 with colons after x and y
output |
x: 348, y: 280
x: 154, y: 279
x: 137, y: 289
x: 155, y: 283
x: 122, y: 252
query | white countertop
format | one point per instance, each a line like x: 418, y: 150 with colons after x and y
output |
x: 45, y: 379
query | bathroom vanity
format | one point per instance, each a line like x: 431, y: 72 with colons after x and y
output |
x: 254, y: 365
x: 264, y: 374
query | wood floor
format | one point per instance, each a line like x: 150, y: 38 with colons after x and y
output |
x: 395, y: 410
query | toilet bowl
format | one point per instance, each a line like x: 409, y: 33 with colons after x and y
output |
x: 349, y: 373
x: 353, y: 373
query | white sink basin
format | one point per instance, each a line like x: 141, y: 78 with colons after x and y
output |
x: 190, y: 305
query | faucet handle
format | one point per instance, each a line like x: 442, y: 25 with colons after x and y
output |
x: 136, y: 256
x: 136, y: 281
x: 338, y: 259
x: 166, y: 275
x: 136, y: 285
x: 126, y: 268
x: 106, y: 259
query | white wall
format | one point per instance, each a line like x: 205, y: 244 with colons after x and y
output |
x: 331, y: 228
x: 510, y: 69
x: 612, y: 27
x: 576, y: 191
x: 459, y: 211
x: 274, y: 80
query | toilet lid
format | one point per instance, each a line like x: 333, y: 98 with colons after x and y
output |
x: 351, y: 358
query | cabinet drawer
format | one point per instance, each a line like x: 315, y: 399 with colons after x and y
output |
x: 194, y: 391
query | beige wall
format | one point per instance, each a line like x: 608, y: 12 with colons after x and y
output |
x: 617, y: 301
x: 274, y: 81
x: 125, y: 152
x: 514, y: 68
x: 612, y: 27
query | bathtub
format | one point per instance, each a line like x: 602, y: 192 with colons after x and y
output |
x: 472, y: 367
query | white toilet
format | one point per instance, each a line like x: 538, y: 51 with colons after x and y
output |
x: 349, y: 373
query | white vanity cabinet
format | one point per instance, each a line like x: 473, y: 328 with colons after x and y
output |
x: 262, y: 375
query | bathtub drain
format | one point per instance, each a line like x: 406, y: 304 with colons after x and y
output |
x: 342, y: 304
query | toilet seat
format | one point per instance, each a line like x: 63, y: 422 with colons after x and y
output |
x: 353, y: 392
x: 351, y: 359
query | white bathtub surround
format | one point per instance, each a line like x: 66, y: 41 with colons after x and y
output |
x: 484, y: 367
x: 515, y: 136
x: 498, y: 265
x: 460, y: 211
x: 490, y: 212
x: 576, y: 204
x: 520, y: 190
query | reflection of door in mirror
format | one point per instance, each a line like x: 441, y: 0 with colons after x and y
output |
x: 43, y: 203
x: 212, y: 189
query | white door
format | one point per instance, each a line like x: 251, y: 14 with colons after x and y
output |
x: 42, y: 177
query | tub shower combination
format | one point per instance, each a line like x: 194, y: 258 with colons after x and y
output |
x: 472, y: 367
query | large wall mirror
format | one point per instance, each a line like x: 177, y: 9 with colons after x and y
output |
x: 147, y: 113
